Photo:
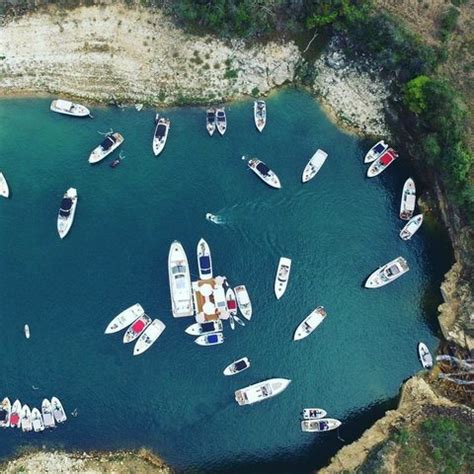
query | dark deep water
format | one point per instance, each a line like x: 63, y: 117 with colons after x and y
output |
x: 174, y: 399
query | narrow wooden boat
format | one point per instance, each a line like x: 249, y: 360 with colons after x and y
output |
x: 237, y: 366
x: 243, y: 301
x: 108, y: 145
x: 15, y: 415
x: 136, y: 328
x: 382, y: 163
x: 282, y: 276
x: 260, y: 114
x: 408, y: 201
x: 4, y: 189
x: 387, y: 273
x: 411, y: 227
x: 210, y: 339
x: 375, y: 152
x: 314, y: 413
x: 67, y: 107
x: 264, y: 173
x: 310, y: 323
x: 58, y: 410
x: 314, y: 165
x: 319, y: 426
x: 149, y: 336
x: 425, y: 356
x: 125, y: 318
x: 161, y: 134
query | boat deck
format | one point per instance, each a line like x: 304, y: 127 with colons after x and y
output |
x: 209, y: 299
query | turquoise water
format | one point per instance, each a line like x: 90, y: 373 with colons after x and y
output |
x: 174, y: 399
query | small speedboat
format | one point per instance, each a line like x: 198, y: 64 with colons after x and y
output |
x: 15, y: 415
x: 375, y: 152
x: 408, y: 201
x: 37, y: 420
x: 67, y: 212
x: 314, y: 413
x: 148, y: 337
x: 237, y: 366
x: 58, y: 410
x: 47, y: 412
x: 264, y: 173
x: 4, y: 189
x: 243, y: 301
x: 125, y: 318
x: 204, y: 260
x: 314, y: 165
x: 211, y: 121
x: 212, y: 218
x: 310, y: 323
x: 108, y: 145
x: 161, y: 134
x: 27, y: 331
x: 231, y: 301
x: 318, y: 426
x: 387, y: 273
x: 260, y: 114
x: 26, y: 418
x: 425, y: 356
x: 261, y: 391
x: 210, y: 339
x: 382, y: 162
x: 197, y: 329
x: 282, y: 276
x: 238, y: 320
x: 411, y: 227
x: 136, y: 328
x: 221, y: 120
x: 69, y: 108
x: 5, y: 411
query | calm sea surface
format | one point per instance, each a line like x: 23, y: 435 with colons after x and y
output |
x: 174, y: 399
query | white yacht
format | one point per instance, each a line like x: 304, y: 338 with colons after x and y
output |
x: 310, y: 323
x: 387, y: 273
x: 314, y: 165
x: 260, y: 114
x: 204, y: 260
x: 211, y: 121
x: 221, y: 120
x: 66, y: 212
x: 208, y: 327
x: 382, y: 162
x: 425, y: 356
x: 313, y: 413
x: 282, y: 276
x: 149, y: 336
x: 136, y: 328
x: 67, y: 107
x: 210, y: 339
x: 125, y: 318
x: 264, y: 173
x: 408, y: 202
x: 180, y: 281
x: 37, y: 420
x: 375, y: 152
x: 161, y: 134
x: 108, y: 145
x: 237, y: 366
x: 261, y: 391
x: 411, y: 227
x: 47, y: 412
x: 243, y: 301
x: 318, y: 426
x: 4, y: 189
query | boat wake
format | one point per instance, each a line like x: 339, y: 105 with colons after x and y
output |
x: 106, y: 133
x: 215, y: 218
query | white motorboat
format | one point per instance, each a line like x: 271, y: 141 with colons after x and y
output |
x: 282, y: 276
x: 108, y: 145
x: 310, y: 323
x: 243, y: 300
x: 204, y: 260
x: 161, y: 134
x: 180, y: 281
x: 237, y: 366
x: 375, y: 152
x: 231, y: 301
x: 136, y: 328
x: 67, y: 212
x: 27, y: 331
x: 67, y: 107
x: 408, y: 202
x: 47, y: 412
x: 208, y: 327
x: 26, y: 418
x: 318, y: 426
x: 314, y: 165
x: 260, y: 114
x: 148, y: 337
x: 213, y: 218
x: 425, y: 356
x: 261, y: 391
x: 264, y: 173
x: 37, y: 420
x: 58, y: 410
x: 314, y: 413
x: 211, y: 121
x: 382, y: 162
x: 221, y: 120
x: 5, y: 411
x: 387, y: 273
x: 210, y: 339
x: 238, y: 320
x: 4, y: 189
x: 15, y: 415
x: 232, y: 322
x: 411, y: 227
x: 125, y: 318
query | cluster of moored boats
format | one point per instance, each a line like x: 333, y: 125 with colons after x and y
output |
x: 21, y: 416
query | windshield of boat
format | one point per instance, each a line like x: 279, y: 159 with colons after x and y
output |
x: 160, y: 131
x: 264, y: 169
x: 240, y: 365
x: 107, y: 143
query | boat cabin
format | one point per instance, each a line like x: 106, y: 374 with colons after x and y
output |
x: 65, y: 209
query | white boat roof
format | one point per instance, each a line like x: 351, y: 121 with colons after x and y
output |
x: 63, y: 104
x: 410, y: 202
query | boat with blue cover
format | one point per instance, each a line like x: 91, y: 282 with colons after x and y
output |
x: 67, y: 212
x: 210, y: 339
x: 211, y: 121
x: 108, y: 145
x: 375, y: 152
x: 237, y: 366
x: 197, y: 329
x: 161, y: 134
x: 221, y: 120
x: 321, y: 425
x: 204, y: 260
x: 313, y: 413
x: 264, y: 173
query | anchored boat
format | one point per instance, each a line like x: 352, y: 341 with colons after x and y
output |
x: 387, y: 273
x: 411, y: 227
x: 282, y: 276
x: 211, y: 121
x: 210, y: 339
x: 66, y: 107
x: 231, y: 302
x: 221, y: 120
x: 37, y: 420
x: 260, y: 114
x: 204, y: 260
x: 261, y: 391
x: 148, y: 337
x: 318, y: 426
x: 408, y: 202
x: 125, y: 318
x: 4, y: 189
x: 310, y: 323
x: 136, y: 328
x: 108, y: 145
x: 425, y: 356
x: 67, y: 212
x: 26, y: 418
x: 5, y: 411
x: 237, y: 366
x: 382, y: 163
x: 58, y: 410
x: 15, y: 415
x: 375, y: 152
x: 180, y: 281
x: 47, y: 412
x: 314, y: 165
x: 314, y: 413
x: 264, y: 173
x: 243, y: 301
x: 161, y: 134
x: 197, y: 329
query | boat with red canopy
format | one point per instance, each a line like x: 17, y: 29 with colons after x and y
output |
x: 381, y: 163
x: 136, y: 328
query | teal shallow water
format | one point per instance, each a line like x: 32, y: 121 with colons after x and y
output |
x: 337, y: 229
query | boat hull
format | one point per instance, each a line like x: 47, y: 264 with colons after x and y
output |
x: 58, y: 410
x: 310, y: 323
x: 66, y: 107
x: 260, y: 115
x: 411, y: 227
x: 149, y: 337
x: 270, y: 179
x: 320, y: 425
x: 64, y: 224
x: 99, y: 154
x: 375, y: 279
x: 47, y: 413
x: 426, y: 359
x: 125, y: 318
x: 15, y: 415
x: 261, y: 391
x: 231, y: 369
x: 180, y: 281
x: 136, y: 328
x: 375, y: 152
x: 4, y: 189
x: 243, y: 301
x: 314, y: 165
x: 282, y: 277
x: 212, y: 339
x: 160, y: 142
x: 204, y: 260
x: 313, y: 413
x: 408, y: 201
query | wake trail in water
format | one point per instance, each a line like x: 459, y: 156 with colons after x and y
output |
x: 105, y: 133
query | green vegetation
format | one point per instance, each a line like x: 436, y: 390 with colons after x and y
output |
x: 448, y: 22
